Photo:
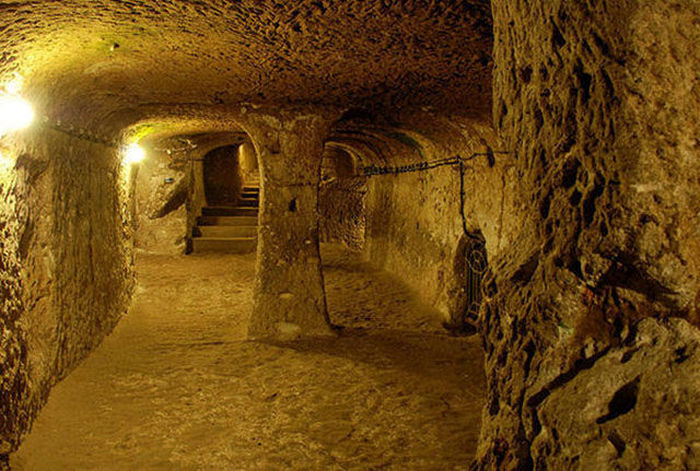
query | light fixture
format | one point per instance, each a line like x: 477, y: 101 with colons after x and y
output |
x: 134, y: 153
x: 14, y: 86
x: 15, y: 113
x: 6, y: 161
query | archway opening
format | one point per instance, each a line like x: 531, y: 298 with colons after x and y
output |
x: 229, y: 219
x: 341, y: 200
x: 248, y: 164
x: 222, y: 176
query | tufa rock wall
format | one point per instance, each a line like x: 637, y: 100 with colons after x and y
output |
x: 414, y: 224
x: 67, y: 230
x: 341, y: 200
x: 590, y: 337
x: 413, y: 231
x: 15, y: 394
x: 163, y: 190
x: 342, y: 212
x: 248, y: 163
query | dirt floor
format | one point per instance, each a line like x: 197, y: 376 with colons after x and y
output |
x: 177, y: 386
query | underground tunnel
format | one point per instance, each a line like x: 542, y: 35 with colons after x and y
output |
x: 349, y: 235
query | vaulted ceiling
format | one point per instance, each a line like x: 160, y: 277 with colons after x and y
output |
x: 106, y: 64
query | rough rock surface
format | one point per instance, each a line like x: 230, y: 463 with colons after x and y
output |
x: 607, y: 231
x: 414, y: 220
x: 248, y: 162
x: 67, y: 242
x: 342, y: 198
x: 163, y: 188
x: 289, y: 296
x: 101, y: 63
x: 590, y: 223
x: 342, y: 212
x: 15, y: 401
x: 643, y: 398
x: 177, y: 386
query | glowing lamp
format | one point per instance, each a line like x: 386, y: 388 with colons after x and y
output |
x: 134, y: 153
x: 15, y: 113
x: 6, y: 161
x: 14, y: 87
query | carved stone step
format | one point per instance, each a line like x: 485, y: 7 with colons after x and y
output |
x: 227, y: 231
x: 227, y: 220
x: 224, y: 244
x: 229, y: 211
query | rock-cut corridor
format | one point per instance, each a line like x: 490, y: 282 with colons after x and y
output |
x: 497, y: 200
x: 177, y: 386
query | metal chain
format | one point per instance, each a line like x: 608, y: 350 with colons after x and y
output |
x: 373, y: 170
x: 80, y: 134
x: 476, y: 258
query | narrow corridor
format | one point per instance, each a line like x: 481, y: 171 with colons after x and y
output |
x: 177, y: 386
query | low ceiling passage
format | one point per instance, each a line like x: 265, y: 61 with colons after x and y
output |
x: 117, y: 61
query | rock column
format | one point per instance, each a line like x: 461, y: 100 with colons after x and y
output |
x: 289, y: 296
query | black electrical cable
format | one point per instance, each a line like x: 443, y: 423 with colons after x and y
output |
x: 82, y: 135
x: 373, y: 170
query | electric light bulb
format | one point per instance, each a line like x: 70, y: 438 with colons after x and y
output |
x: 134, y: 153
x: 14, y: 86
x: 6, y: 161
x: 15, y: 114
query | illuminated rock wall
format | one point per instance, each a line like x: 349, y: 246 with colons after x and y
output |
x: 591, y: 350
x: 162, y: 194
x: 414, y: 223
x: 66, y: 271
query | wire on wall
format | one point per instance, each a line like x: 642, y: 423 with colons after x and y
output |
x: 457, y: 160
x: 374, y: 170
x: 479, y: 283
x: 83, y: 135
x: 80, y: 134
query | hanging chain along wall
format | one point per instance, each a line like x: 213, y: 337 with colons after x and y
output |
x: 478, y: 278
x: 86, y: 136
x: 373, y: 170
x: 80, y: 134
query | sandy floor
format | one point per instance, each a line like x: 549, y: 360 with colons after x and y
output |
x: 176, y: 386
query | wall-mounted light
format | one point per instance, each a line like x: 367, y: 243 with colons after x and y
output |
x: 134, y: 153
x: 7, y: 162
x: 14, y: 86
x: 15, y: 113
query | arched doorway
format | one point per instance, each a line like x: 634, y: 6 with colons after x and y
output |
x: 228, y: 220
x: 222, y: 177
x: 341, y: 200
x: 248, y: 162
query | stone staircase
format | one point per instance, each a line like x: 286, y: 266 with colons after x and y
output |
x: 229, y: 229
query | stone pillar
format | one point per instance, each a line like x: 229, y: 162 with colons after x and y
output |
x: 289, y: 296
